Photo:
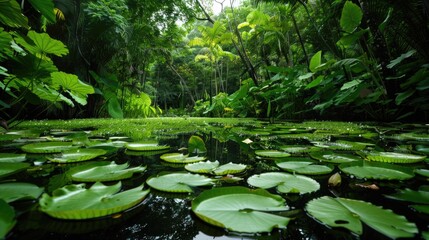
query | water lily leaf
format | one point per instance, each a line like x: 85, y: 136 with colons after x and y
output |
x: 342, y: 145
x: 423, y: 172
x: 202, y: 167
x: 8, y: 137
x: 7, y: 169
x: 229, y: 168
x: 103, y: 171
x: 214, y: 168
x: 272, y: 153
x: 146, y: 146
x: 7, y: 218
x: 178, y: 182
x: 393, y: 157
x: 180, y: 158
x: 47, y: 147
x: 305, y: 167
x: 298, y: 149
x: 76, y: 202
x: 196, y: 145
x: 78, y: 155
x: 13, y: 191
x: 422, y: 149
x: 145, y: 153
x: 333, y: 157
x: 12, y: 157
x: 284, y: 182
x: 348, y: 213
x: 376, y: 170
x: 241, y: 209
x: 421, y: 208
x: 421, y: 196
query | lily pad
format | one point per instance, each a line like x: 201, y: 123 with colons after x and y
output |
x: 376, y: 170
x: 178, y: 182
x: 393, y: 157
x: 272, y: 153
x: 342, y: 145
x: 215, y: 169
x: 349, y: 213
x: 202, y: 167
x: 7, y: 169
x: 333, y: 157
x: 103, y: 171
x: 305, y: 167
x: 78, y: 155
x: 12, y: 157
x: 181, y: 158
x: 293, y: 149
x: 47, y: 147
x: 7, y: 218
x: 421, y: 196
x: 77, y: 202
x: 422, y: 172
x: 19, y: 191
x: 146, y: 146
x: 422, y: 149
x: 284, y: 182
x: 241, y: 209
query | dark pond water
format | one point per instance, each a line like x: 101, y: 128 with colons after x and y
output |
x: 168, y: 216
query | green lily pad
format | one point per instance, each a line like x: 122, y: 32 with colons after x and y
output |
x: 78, y: 155
x: 305, y: 167
x: 8, y: 137
x: 376, y: 170
x: 146, y: 146
x: 241, y: 209
x: 19, y: 191
x: 103, y: 171
x: 284, y: 182
x: 349, y: 213
x: 12, y: 157
x: 421, y: 208
x: 421, y: 196
x: 180, y: 158
x: 298, y: 149
x: 178, y: 182
x: 7, y: 169
x: 77, y: 202
x: 333, y: 157
x: 342, y: 145
x: 272, y: 153
x: 393, y: 157
x: 47, y: 147
x: 215, y: 169
x: 422, y: 149
x: 422, y: 172
x: 7, y: 218
x: 145, y: 153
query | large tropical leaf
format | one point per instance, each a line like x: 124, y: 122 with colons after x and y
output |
x: 7, y: 168
x: 10, y: 14
x: 196, y: 144
x: 376, y: 170
x: 78, y: 155
x: 351, y: 17
x: 103, y: 171
x: 47, y: 147
x: 46, y: 8
x: 178, y: 182
x: 71, y: 84
x: 7, y: 217
x: 77, y: 202
x: 348, y: 213
x: 284, y: 182
x: 240, y: 209
x: 42, y: 44
x: 13, y: 191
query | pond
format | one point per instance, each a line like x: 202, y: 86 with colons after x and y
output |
x: 292, y: 164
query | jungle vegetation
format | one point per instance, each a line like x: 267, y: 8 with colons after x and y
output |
x: 285, y: 59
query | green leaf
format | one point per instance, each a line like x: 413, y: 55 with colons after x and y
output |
x: 42, y: 44
x: 114, y: 108
x: 351, y: 16
x: 70, y: 83
x: 315, y: 61
x: 47, y: 147
x: 77, y: 155
x: 196, y: 145
x: 77, y: 202
x: 202, y: 167
x: 229, y: 168
x: 146, y: 146
x: 421, y: 196
x: 10, y: 14
x: 240, y: 209
x: 350, y: 84
x: 332, y: 157
x: 7, y: 216
x: 7, y: 169
x: 401, y: 97
x: 348, y: 213
x: 401, y: 58
x: 305, y: 167
x: 46, y: 8
x: 14, y: 191
x: 393, y: 157
x: 214, y: 168
x: 103, y: 171
x: 178, y: 182
x: 12, y: 157
x: 180, y: 158
x: 349, y: 39
x: 377, y: 170
x: 272, y: 153
x: 284, y: 182
x: 315, y: 82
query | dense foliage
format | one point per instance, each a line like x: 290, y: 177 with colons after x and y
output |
x: 276, y: 59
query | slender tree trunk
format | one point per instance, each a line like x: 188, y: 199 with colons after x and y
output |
x: 301, y: 41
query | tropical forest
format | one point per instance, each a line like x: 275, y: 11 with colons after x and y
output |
x: 214, y: 119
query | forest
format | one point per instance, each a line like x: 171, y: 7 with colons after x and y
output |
x: 214, y: 119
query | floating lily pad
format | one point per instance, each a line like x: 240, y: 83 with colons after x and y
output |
x: 146, y: 146
x: 298, y: 149
x: 181, y: 158
x: 421, y: 196
x: 12, y: 157
x: 78, y: 155
x: 241, y: 209
x: 178, y: 182
x: 103, y: 171
x: 8, y: 137
x: 215, y: 169
x: 7, y: 218
x: 272, y: 153
x: 47, y: 147
x: 342, y: 145
x: 333, y: 157
x: 77, y: 202
x: 284, y: 182
x: 422, y: 149
x: 19, y: 191
x: 7, y: 169
x: 393, y: 157
x: 376, y: 170
x: 349, y: 213
x: 305, y: 167
x: 145, y: 153
x: 422, y: 172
